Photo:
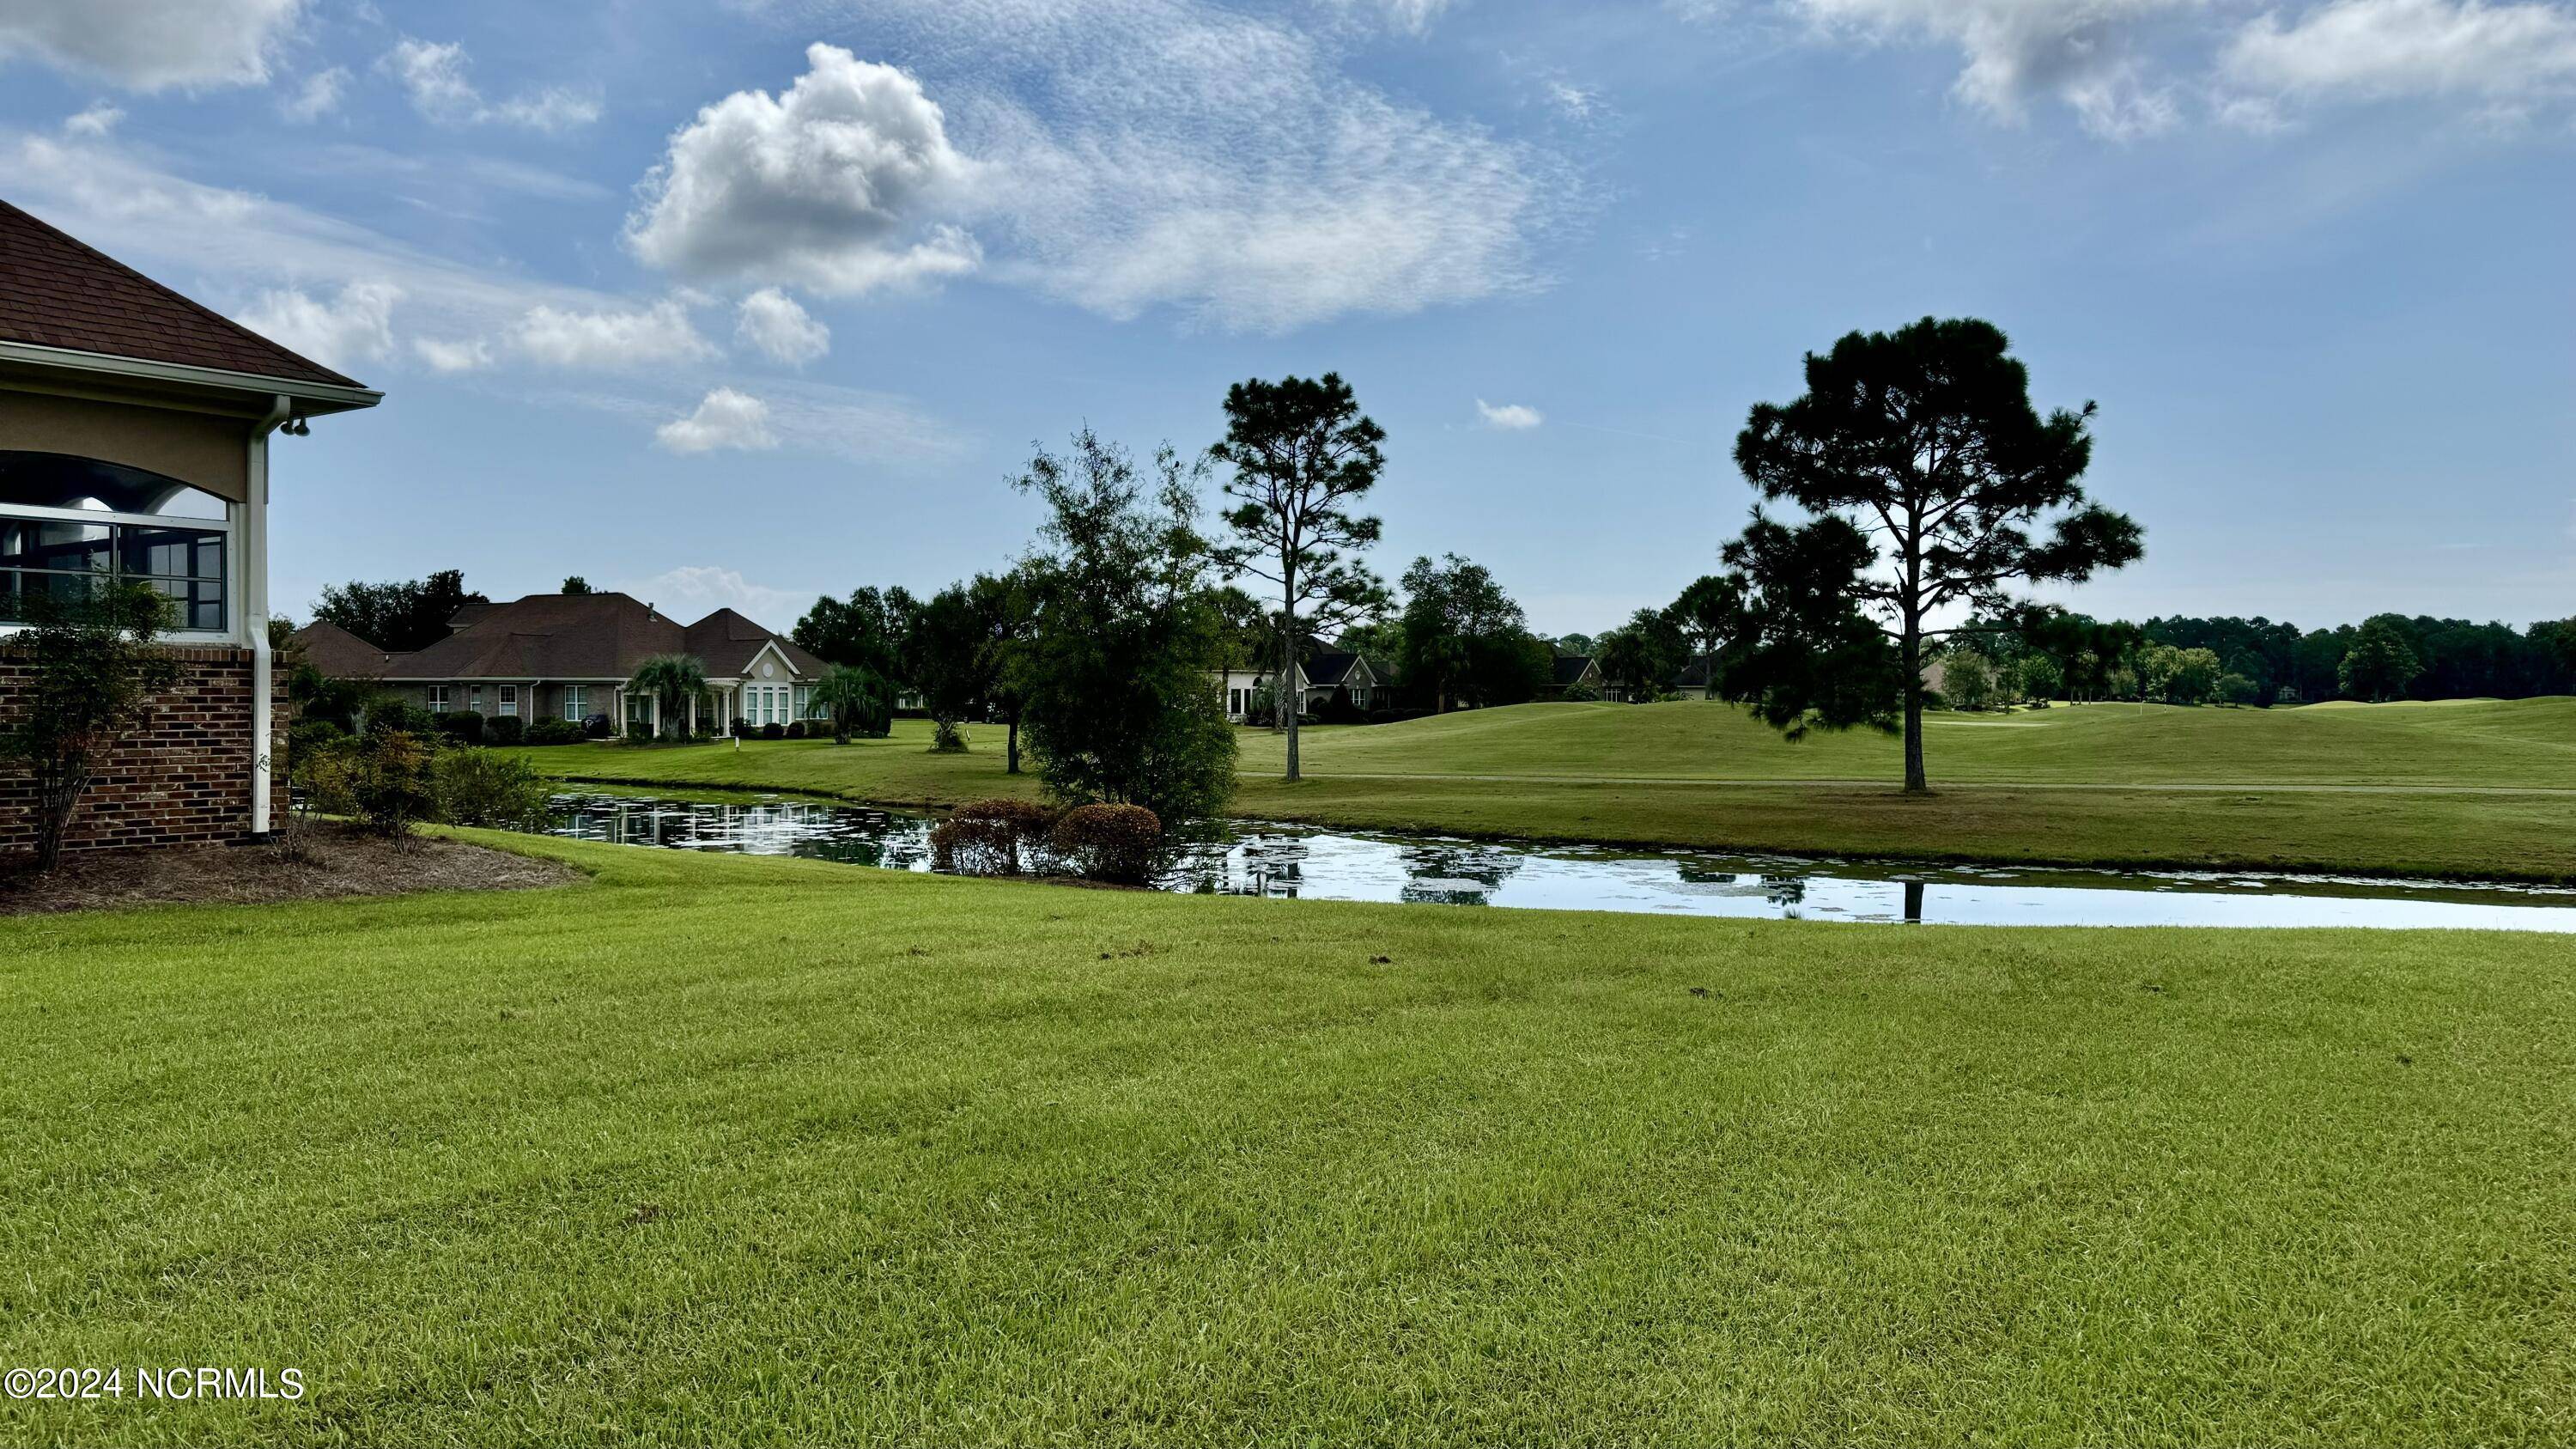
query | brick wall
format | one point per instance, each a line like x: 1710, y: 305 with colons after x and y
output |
x: 183, y: 778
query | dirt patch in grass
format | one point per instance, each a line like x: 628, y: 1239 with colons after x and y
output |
x: 327, y: 862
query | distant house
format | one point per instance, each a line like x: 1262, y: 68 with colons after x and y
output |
x: 568, y: 656
x: 335, y: 653
x: 1238, y: 688
x: 1573, y: 670
x: 1322, y: 681
x: 1342, y: 678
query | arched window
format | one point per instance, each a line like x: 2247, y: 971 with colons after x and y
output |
x: 67, y: 524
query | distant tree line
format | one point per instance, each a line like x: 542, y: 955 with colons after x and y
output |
x: 2230, y: 660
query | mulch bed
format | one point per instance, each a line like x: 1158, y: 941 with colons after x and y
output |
x: 328, y: 862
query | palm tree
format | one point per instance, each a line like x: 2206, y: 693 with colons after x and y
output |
x: 859, y: 700
x: 674, y: 679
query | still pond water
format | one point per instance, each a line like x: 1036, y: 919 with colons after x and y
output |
x: 1296, y: 862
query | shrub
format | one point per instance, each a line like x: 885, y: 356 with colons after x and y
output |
x: 465, y: 727
x: 945, y: 738
x: 306, y: 737
x: 742, y: 728
x: 773, y: 731
x: 796, y: 729
x: 1581, y: 694
x: 393, y: 714
x: 477, y: 787
x: 1119, y: 843
x: 991, y: 837
x: 388, y: 781
x: 554, y: 732
x: 640, y: 733
x: 506, y: 729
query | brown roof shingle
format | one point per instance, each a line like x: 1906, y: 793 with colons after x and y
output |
x: 587, y: 636
x: 337, y: 653
x: 56, y: 291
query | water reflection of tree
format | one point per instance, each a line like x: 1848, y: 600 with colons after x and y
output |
x: 1788, y: 892
x: 1456, y: 874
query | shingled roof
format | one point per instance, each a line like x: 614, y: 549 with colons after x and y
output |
x: 587, y: 636
x: 337, y: 653
x: 58, y: 292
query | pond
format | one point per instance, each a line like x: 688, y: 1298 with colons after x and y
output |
x: 1297, y: 862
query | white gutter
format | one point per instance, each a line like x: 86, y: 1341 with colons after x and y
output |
x: 254, y: 541
x: 337, y: 396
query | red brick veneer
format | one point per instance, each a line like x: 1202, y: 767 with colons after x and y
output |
x: 182, y: 778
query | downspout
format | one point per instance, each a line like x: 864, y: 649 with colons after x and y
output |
x: 254, y: 535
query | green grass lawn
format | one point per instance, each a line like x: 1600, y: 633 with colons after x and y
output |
x: 723, y: 1149
x: 2475, y: 788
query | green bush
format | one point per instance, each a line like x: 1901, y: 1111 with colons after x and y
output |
x: 410, y: 719
x: 773, y: 731
x: 464, y: 726
x: 308, y: 736
x: 478, y: 787
x: 381, y: 777
x: 796, y: 729
x: 554, y: 732
x: 1581, y: 694
x: 506, y: 729
x: 991, y: 837
x: 640, y: 732
x: 1116, y: 843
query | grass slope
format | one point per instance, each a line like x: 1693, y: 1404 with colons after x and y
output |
x: 2388, y: 789
x: 719, y: 1150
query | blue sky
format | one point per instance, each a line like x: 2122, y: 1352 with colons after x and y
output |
x: 740, y: 302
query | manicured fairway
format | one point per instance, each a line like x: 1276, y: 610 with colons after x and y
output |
x: 726, y: 1150
x: 2462, y: 789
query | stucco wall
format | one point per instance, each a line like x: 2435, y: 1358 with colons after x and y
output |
x: 197, y: 448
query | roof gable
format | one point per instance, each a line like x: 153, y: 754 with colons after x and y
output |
x: 337, y: 653
x: 56, y: 291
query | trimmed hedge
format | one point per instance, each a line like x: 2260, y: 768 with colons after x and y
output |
x: 506, y: 729
x: 991, y: 837
x: 555, y: 732
x: 463, y: 726
x: 1117, y: 843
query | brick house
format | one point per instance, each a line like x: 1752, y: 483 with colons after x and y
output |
x: 568, y: 656
x: 134, y: 443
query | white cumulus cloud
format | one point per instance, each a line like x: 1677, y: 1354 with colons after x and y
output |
x: 470, y: 354
x: 150, y: 45
x: 695, y: 590
x: 1509, y: 417
x: 433, y: 74
x: 724, y: 419
x: 355, y: 326
x: 1131, y: 155
x: 833, y: 185
x: 771, y: 323
x: 637, y: 337
x: 2084, y: 52
x: 2386, y: 49
x: 95, y: 120
x: 319, y: 96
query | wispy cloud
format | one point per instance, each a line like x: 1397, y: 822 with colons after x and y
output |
x: 1509, y: 417
x: 433, y: 74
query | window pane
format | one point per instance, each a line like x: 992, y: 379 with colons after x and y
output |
x: 68, y: 547
x: 184, y: 553
x: 199, y: 602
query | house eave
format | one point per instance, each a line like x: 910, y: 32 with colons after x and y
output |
x: 317, y: 398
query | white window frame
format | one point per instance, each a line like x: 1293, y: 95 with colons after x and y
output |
x: 232, y: 551
x: 509, y: 705
x: 576, y: 701
x: 435, y: 696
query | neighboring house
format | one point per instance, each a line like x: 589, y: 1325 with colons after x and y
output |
x: 1345, y: 677
x: 335, y: 653
x: 134, y: 444
x: 568, y: 656
x: 1238, y: 687
x: 1692, y: 682
x: 1573, y: 670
